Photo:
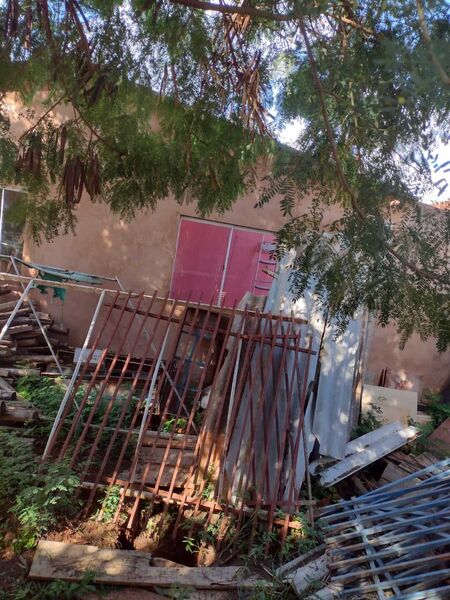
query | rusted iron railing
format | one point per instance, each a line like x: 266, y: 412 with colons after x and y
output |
x: 193, y: 406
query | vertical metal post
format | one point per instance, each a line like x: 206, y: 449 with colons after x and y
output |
x: 225, y: 268
x: 74, y: 375
x: 151, y: 389
x: 16, y: 309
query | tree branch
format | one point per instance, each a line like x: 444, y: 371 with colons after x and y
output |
x: 427, y: 40
x: 250, y: 11
x: 227, y: 9
x: 42, y: 117
x: 353, y: 24
x: 340, y: 172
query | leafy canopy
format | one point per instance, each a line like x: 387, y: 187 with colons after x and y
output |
x: 184, y: 97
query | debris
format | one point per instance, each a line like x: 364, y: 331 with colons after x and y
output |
x: 310, y: 575
x: 367, y: 449
x: 394, y: 404
x: 399, y: 465
x: 393, y: 540
x: 70, y: 562
x: 400, y: 381
x: 301, y: 560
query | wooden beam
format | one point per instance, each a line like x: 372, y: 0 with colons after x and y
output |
x: 70, y: 562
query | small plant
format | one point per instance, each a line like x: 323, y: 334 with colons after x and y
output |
x: 300, y: 541
x: 190, y: 545
x: 173, y: 424
x: 48, y: 493
x: 368, y: 422
x: 110, y: 502
x: 56, y: 590
x: 34, y: 495
x: 177, y: 592
x: 438, y: 410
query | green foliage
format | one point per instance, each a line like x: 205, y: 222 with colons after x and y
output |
x: 175, y: 425
x: 438, y: 410
x: 49, y: 494
x: 56, y: 590
x: 46, y: 393
x: 439, y: 413
x: 17, y: 464
x: 34, y: 495
x: 368, y: 422
x: 190, y: 545
x: 110, y: 503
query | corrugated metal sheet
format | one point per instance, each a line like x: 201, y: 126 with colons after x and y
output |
x: 328, y: 421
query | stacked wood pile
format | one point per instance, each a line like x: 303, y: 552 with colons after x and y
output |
x: 23, y: 351
x: 24, y: 341
x: 14, y: 410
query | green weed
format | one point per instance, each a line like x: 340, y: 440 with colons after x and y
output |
x: 173, y: 424
x: 110, y: 502
x: 437, y: 409
x: 56, y: 590
x: 191, y: 545
x: 34, y: 496
x: 368, y: 422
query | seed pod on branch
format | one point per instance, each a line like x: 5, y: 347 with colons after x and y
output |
x: 30, y: 156
x: 72, y: 181
x: 92, y: 175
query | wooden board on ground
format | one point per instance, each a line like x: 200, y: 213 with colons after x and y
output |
x: 70, y: 562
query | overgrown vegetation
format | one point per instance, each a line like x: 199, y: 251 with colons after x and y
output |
x: 439, y: 412
x: 46, y: 393
x: 56, y: 590
x: 368, y: 421
x: 109, y: 503
x: 33, y: 497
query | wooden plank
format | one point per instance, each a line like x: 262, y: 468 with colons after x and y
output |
x: 70, y: 562
x: 8, y: 306
x: 301, y: 560
x: 179, y: 440
x: 393, y: 473
x: 395, y: 405
x: 353, y: 463
x: 18, y: 412
x: 41, y: 358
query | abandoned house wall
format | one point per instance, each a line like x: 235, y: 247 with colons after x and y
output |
x: 141, y: 253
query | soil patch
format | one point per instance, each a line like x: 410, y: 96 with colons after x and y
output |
x: 104, y: 535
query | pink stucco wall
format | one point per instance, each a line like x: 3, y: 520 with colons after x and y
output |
x: 141, y: 253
